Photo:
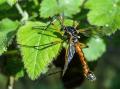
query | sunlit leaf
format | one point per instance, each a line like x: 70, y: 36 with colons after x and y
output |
x: 38, y: 47
x: 96, y: 47
x: 50, y: 8
x: 104, y: 13
x: 7, y: 32
x: 70, y: 7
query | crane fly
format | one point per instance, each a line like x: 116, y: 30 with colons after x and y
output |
x: 74, y: 47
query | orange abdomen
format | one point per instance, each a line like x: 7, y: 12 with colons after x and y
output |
x: 82, y: 58
x: 87, y: 73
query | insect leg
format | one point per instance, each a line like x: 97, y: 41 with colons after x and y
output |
x: 82, y: 45
x: 61, y: 20
x: 42, y: 46
x: 51, y: 23
x: 75, y: 24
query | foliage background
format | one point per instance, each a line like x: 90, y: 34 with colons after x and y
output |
x: 16, y: 21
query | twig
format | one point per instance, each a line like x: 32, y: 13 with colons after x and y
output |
x: 11, y: 81
x: 20, y: 9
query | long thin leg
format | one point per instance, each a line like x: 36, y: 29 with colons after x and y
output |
x: 51, y: 23
x: 61, y: 20
x: 75, y: 24
x: 82, y: 45
x: 43, y: 46
x: 46, y: 26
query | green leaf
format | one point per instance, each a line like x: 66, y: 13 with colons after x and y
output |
x: 37, y: 47
x: 19, y: 74
x: 96, y: 47
x: 104, y: 13
x: 4, y: 7
x: 7, y: 32
x: 50, y: 8
x: 70, y: 7
x: 11, y: 2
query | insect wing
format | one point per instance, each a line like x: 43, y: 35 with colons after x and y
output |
x: 92, y: 31
x: 71, y: 52
x: 69, y: 55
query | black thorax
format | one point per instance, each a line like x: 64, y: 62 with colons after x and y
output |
x: 72, y: 32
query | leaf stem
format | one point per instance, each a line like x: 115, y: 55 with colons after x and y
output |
x: 20, y: 9
x: 24, y: 14
x: 11, y: 82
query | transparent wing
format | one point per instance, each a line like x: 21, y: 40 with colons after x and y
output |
x: 92, y: 31
x: 71, y: 52
x: 69, y: 55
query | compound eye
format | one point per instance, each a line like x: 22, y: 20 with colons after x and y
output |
x: 91, y: 76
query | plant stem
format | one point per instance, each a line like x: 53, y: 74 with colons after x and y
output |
x: 24, y: 14
x: 20, y: 9
x: 11, y: 82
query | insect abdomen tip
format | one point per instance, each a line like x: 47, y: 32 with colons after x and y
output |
x: 91, y: 76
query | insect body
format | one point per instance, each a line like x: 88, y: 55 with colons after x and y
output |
x: 76, y: 46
